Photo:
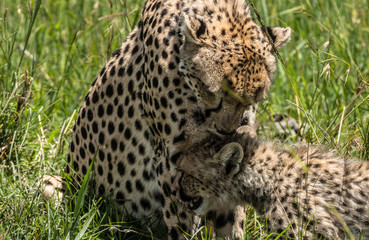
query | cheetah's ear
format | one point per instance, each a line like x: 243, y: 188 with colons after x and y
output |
x: 280, y: 36
x: 230, y: 157
x: 193, y: 29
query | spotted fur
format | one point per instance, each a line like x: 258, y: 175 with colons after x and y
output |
x: 311, y: 192
x: 189, y: 68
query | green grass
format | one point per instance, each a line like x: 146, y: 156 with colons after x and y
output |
x: 51, y: 51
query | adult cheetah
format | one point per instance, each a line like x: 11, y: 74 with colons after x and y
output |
x: 310, y: 192
x: 187, y: 65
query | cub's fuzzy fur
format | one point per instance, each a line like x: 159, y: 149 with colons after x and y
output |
x: 312, y: 192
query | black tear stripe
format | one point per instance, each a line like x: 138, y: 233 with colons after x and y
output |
x: 271, y: 34
x: 181, y: 137
x: 200, y: 117
x: 217, y: 109
x: 201, y: 29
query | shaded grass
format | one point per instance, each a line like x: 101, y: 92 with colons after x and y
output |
x: 51, y: 51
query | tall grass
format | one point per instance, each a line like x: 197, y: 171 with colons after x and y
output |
x: 51, y: 50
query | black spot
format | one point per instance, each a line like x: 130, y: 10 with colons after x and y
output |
x: 116, y: 52
x: 104, y: 78
x: 75, y: 166
x: 100, y: 170
x: 82, y: 152
x: 138, y: 75
x: 135, y: 50
x: 131, y: 112
x: 84, y: 170
x: 77, y: 139
x: 90, y: 116
x: 122, y: 146
x: 155, y: 82
x: 176, y: 81
x: 168, y: 129
x: 130, y: 70
x: 149, y: 41
x: 163, y: 12
x: 112, y: 71
x: 131, y: 158
x: 101, y: 155
x: 127, y: 134
x: 95, y: 97
x: 179, y: 101
x: 130, y: 86
x: 172, y: 65
x: 141, y: 150
x: 145, y: 204
x: 100, y: 111
x: 111, y: 128
x: 109, y: 90
x: 139, y: 186
x: 138, y: 125
x: 84, y: 132
x: 72, y: 146
x: 83, y: 115
x: 101, y: 138
x: 134, y: 207
x: 121, y: 169
x: 167, y: 23
x: 156, y: 43
x: 114, y: 144
x: 120, y: 195
x: 173, y: 116
x: 109, y: 109
x: 129, y: 186
x: 120, y: 111
x: 121, y: 127
x: 121, y: 71
x: 91, y: 147
x: 164, y: 54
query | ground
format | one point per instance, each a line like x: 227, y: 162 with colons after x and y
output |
x: 47, y: 68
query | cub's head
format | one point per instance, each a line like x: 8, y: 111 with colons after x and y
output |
x: 224, y: 50
x: 210, y: 173
x: 208, y: 181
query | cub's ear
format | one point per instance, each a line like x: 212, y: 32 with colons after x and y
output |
x: 230, y: 157
x: 280, y: 36
x: 193, y: 29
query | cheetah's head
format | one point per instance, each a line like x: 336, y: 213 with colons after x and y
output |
x: 225, y: 51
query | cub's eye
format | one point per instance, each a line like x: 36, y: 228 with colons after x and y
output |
x: 195, y: 203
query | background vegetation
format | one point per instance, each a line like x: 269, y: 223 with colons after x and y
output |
x: 51, y: 50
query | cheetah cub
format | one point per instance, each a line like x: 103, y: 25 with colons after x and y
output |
x: 312, y: 193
